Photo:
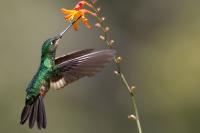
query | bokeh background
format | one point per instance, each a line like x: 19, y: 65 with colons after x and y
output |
x: 158, y: 40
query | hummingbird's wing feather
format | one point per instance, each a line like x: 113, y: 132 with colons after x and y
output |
x: 80, y: 66
x: 72, y: 55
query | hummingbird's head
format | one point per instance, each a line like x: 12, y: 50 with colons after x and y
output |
x: 50, y: 45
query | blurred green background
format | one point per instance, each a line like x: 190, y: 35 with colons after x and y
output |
x: 158, y: 40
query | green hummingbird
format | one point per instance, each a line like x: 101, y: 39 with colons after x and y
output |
x: 58, y: 72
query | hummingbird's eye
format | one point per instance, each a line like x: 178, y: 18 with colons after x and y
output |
x: 53, y: 41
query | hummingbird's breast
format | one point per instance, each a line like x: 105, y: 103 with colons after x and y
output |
x: 39, y: 80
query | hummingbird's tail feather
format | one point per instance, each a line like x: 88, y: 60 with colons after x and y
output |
x: 25, y: 113
x: 34, y: 112
x: 41, y: 117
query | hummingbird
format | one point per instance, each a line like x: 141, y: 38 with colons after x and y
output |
x: 58, y: 72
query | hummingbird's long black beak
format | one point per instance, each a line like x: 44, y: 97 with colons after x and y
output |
x: 59, y: 36
x: 69, y: 26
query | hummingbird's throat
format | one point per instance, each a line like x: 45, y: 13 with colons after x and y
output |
x: 57, y: 43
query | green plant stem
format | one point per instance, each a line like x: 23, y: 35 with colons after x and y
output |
x: 133, y: 102
x: 136, y: 113
x: 120, y: 73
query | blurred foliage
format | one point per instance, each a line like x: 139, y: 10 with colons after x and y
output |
x: 158, y: 40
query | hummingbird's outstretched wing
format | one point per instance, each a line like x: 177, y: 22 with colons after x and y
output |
x: 79, y: 64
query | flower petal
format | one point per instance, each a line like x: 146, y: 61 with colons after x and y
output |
x: 68, y: 17
x: 77, y: 14
x: 86, y: 23
x: 87, y: 11
x: 64, y: 11
x: 91, y: 6
x: 80, y: 4
x: 75, y: 26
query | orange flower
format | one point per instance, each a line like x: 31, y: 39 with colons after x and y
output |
x: 80, y: 5
x: 78, y: 12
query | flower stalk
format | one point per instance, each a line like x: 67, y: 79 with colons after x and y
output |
x: 79, y: 12
x: 117, y: 60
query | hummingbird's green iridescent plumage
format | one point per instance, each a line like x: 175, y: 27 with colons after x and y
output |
x: 44, y: 71
x: 56, y: 73
x: 39, y: 86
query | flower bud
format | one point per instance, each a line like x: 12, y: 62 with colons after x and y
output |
x: 116, y: 72
x: 102, y: 37
x: 132, y: 117
x: 98, y: 9
x: 98, y: 25
x: 103, y: 18
x: 112, y: 41
x: 133, y: 88
x: 106, y: 29
x: 118, y: 59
